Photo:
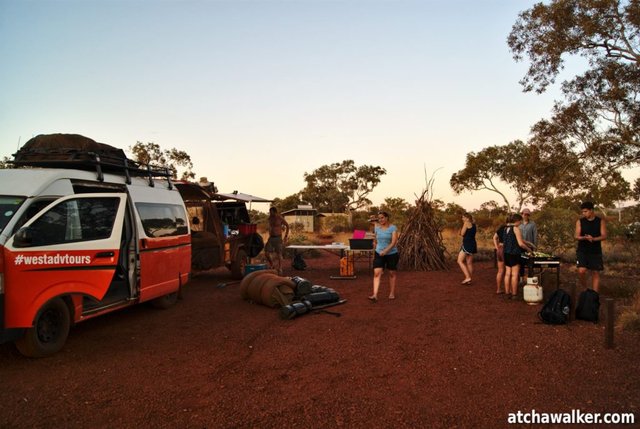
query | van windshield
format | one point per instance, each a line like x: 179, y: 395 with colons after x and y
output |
x: 8, y: 207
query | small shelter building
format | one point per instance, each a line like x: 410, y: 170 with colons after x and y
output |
x: 305, y: 215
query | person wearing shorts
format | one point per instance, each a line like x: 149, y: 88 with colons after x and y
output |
x: 386, y: 255
x: 514, y: 245
x: 591, y: 231
x: 498, y: 244
x: 275, y: 244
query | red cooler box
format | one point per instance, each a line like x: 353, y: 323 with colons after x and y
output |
x: 247, y: 228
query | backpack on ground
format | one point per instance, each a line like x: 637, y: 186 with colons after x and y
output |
x: 588, y: 306
x: 298, y: 262
x: 556, y: 310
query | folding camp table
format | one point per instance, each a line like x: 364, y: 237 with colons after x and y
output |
x: 331, y: 248
x: 538, y: 264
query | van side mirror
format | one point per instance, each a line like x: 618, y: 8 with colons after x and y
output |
x: 23, y: 238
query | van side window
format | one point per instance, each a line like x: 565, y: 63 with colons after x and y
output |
x: 162, y: 220
x: 75, y: 220
x: 31, y: 211
x: 8, y: 207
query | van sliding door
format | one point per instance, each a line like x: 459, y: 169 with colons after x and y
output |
x: 72, y: 247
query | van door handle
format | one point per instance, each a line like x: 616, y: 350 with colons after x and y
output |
x: 105, y: 255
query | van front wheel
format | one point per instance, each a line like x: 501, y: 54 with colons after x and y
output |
x: 49, y: 331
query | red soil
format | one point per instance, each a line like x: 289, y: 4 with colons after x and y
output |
x: 441, y: 355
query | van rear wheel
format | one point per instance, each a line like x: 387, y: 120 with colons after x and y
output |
x: 49, y: 331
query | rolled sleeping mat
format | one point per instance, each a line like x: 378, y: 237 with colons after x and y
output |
x: 254, y: 290
x: 295, y: 309
x: 277, y: 292
x: 302, y: 286
x: 322, y: 298
x: 244, y: 283
x: 319, y: 288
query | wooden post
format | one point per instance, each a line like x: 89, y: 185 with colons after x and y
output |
x: 608, y: 331
x: 572, y: 312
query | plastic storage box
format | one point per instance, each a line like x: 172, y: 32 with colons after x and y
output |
x: 361, y: 243
x: 249, y: 268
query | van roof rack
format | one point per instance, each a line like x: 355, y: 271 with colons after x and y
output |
x: 91, y: 161
x: 81, y: 153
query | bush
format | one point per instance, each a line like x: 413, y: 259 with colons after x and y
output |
x: 556, y: 227
x: 296, y: 233
x: 621, y: 290
x: 337, y: 223
x: 629, y: 320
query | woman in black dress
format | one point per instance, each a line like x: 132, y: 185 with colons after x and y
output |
x: 468, y: 248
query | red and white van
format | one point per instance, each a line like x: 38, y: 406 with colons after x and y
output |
x: 76, y: 244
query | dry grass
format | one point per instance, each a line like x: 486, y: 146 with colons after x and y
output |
x: 484, y: 239
x: 629, y: 319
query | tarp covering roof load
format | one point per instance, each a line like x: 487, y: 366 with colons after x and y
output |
x: 65, y: 147
x: 79, y: 152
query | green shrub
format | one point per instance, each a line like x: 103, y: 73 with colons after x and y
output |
x: 556, y: 227
x: 337, y: 223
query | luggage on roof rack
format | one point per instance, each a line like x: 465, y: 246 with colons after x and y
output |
x: 82, y: 153
x: 65, y: 147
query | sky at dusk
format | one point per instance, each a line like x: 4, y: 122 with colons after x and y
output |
x: 260, y: 92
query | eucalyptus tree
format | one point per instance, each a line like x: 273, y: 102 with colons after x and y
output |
x: 152, y: 153
x: 341, y: 187
x: 599, y: 115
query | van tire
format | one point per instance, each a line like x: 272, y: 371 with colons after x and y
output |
x: 238, y: 264
x: 165, y: 301
x: 49, y: 331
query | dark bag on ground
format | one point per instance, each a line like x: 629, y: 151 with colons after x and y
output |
x: 556, y: 310
x: 588, y: 306
x: 298, y: 262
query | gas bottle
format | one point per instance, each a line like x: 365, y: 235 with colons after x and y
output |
x: 532, y: 291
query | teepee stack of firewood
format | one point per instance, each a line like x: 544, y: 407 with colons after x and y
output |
x: 420, y: 244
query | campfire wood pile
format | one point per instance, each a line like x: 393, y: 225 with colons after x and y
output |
x: 420, y: 244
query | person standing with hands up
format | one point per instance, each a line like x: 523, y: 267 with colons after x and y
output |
x: 591, y: 231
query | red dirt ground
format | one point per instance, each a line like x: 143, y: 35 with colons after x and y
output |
x: 441, y: 355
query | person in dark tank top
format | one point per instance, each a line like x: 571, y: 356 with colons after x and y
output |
x: 469, y: 247
x: 591, y: 231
